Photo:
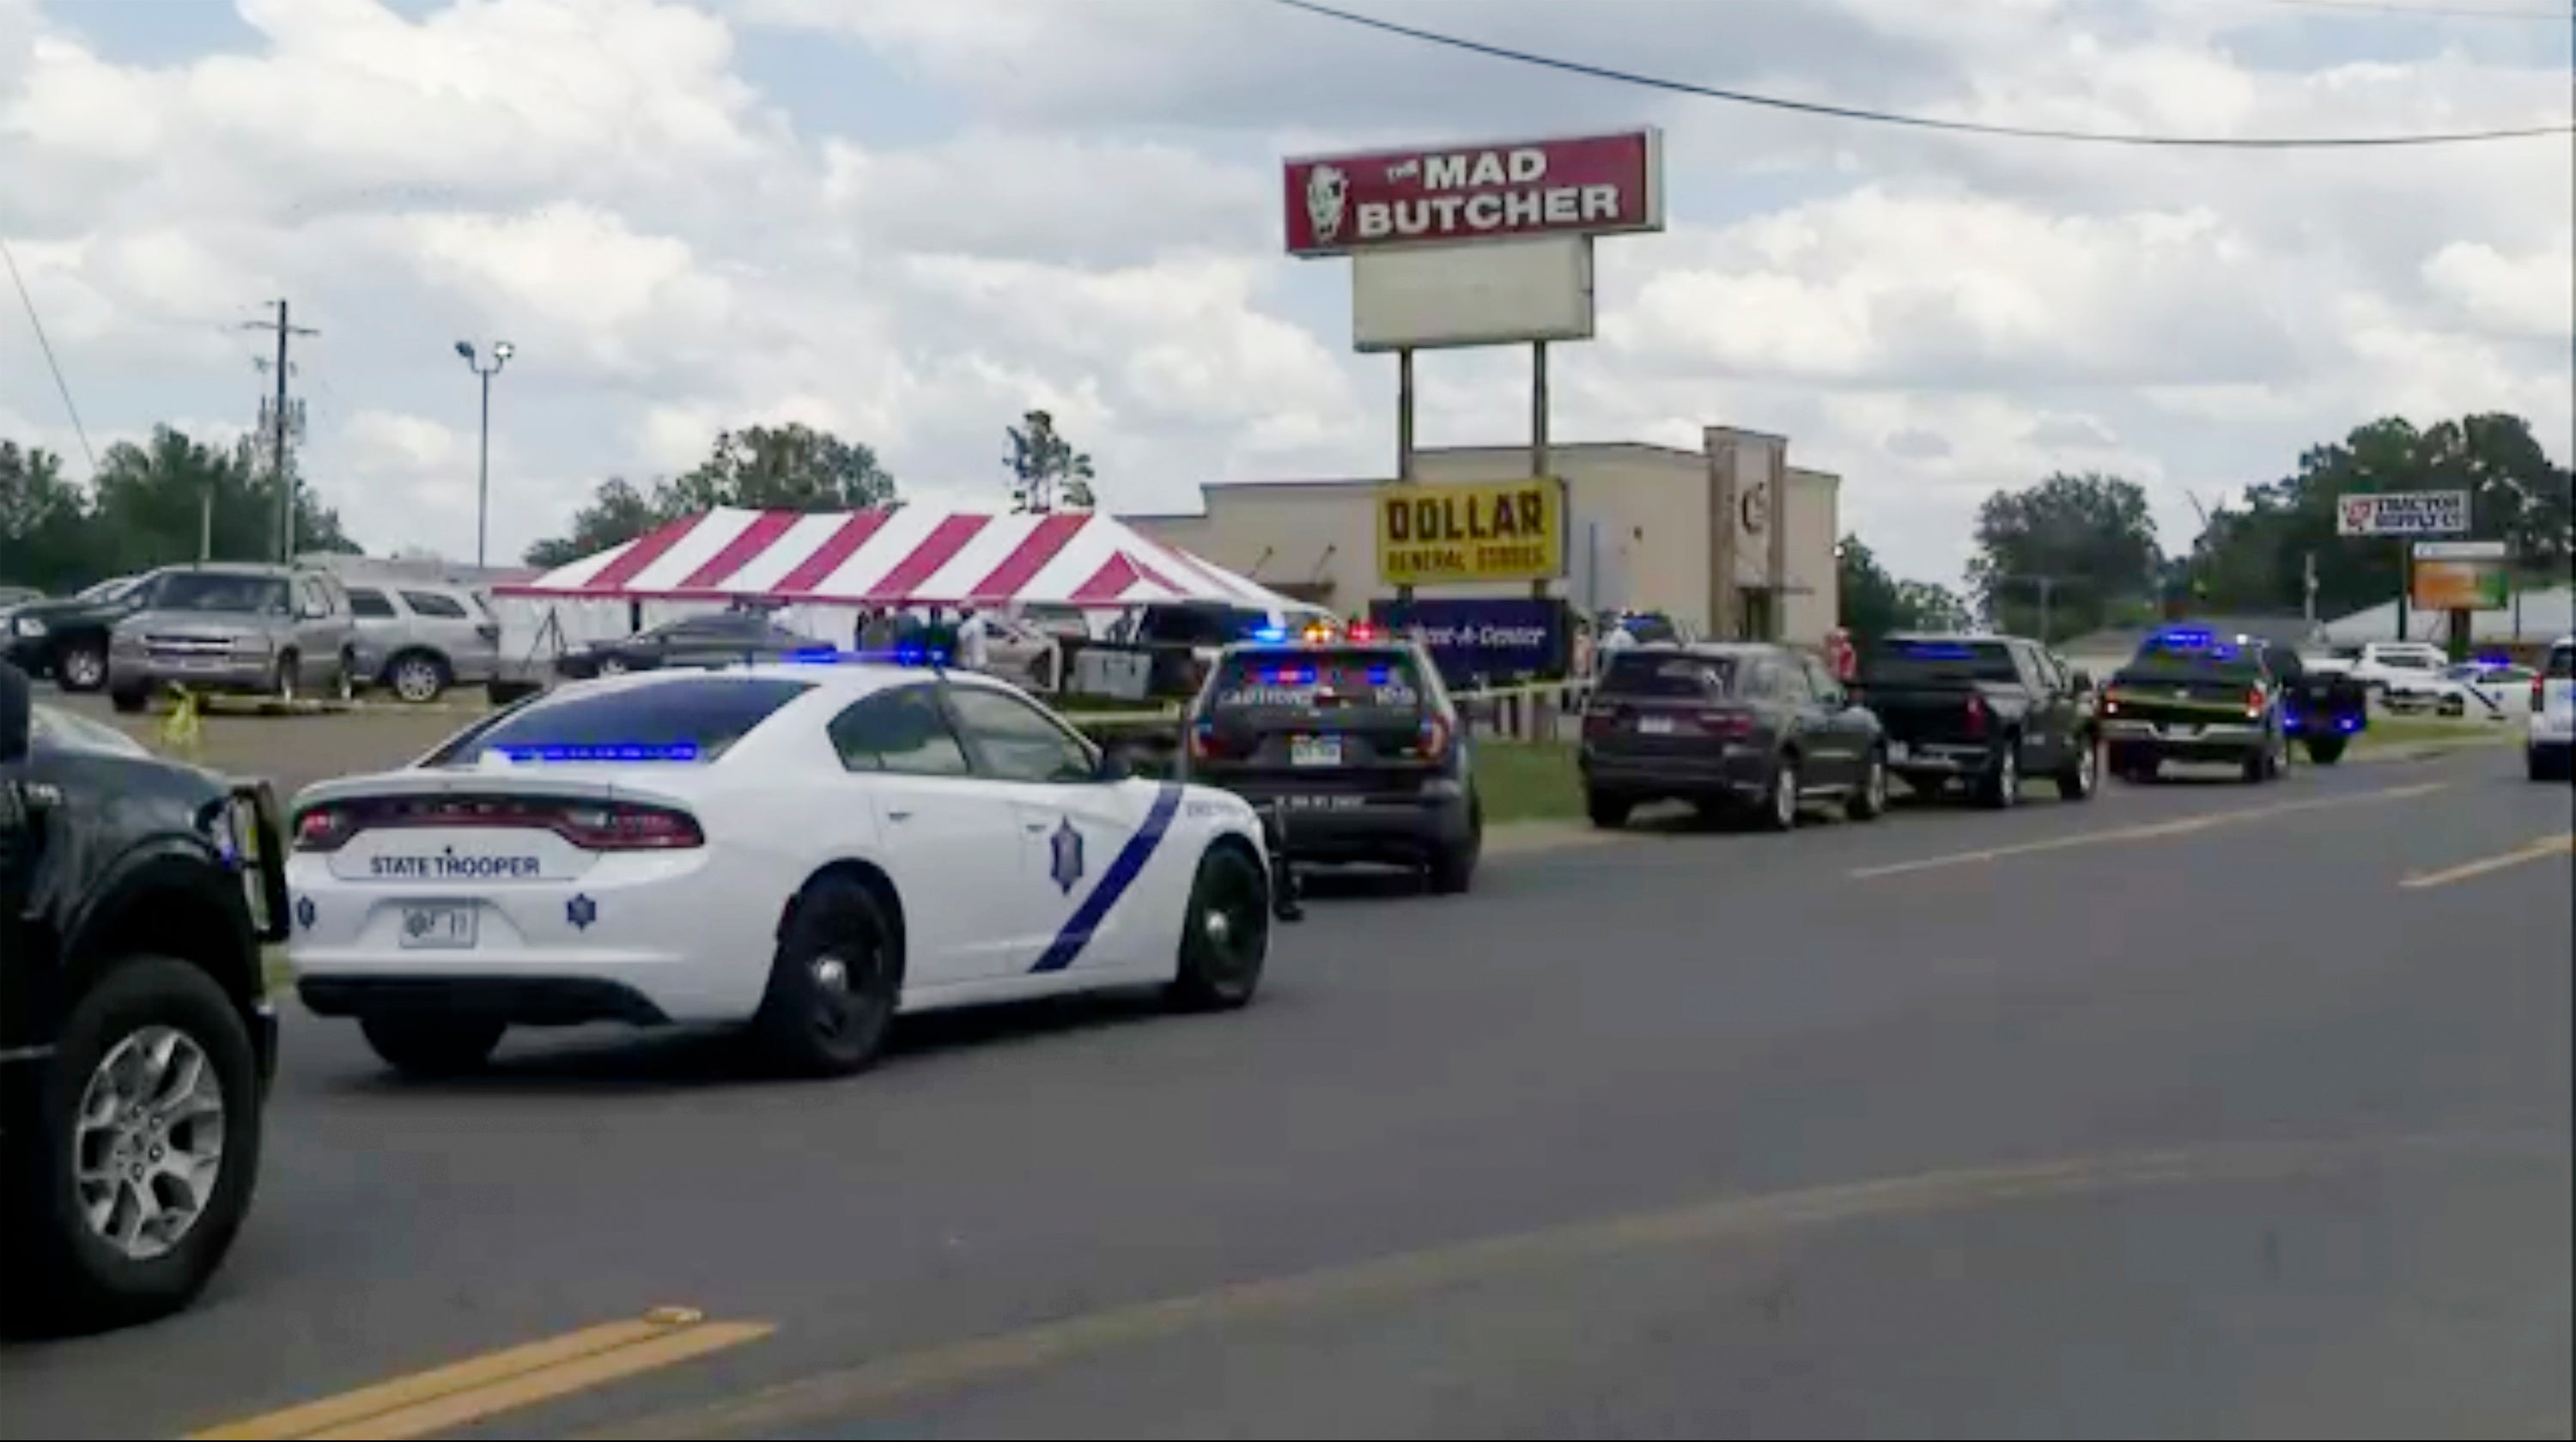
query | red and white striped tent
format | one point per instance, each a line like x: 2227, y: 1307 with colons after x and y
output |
x: 907, y: 556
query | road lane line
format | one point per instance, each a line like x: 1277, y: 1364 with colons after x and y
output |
x: 839, y: 1399
x: 2149, y: 831
x: 2540, y: 850
x: 479, y: 1387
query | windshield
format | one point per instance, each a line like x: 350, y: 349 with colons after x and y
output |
x: 683, y: 719
x: 1904, y: 662
x: 2561, y: 663
x: 219, y: 591
x: 1674, y: 676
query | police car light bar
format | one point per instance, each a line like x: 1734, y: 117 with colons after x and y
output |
x: 899, y: 656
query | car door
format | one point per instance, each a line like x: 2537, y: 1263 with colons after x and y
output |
x: 1084, y: 841
x: 321, y: 630
x: 1803, y: 713
x: 2046, y: 734
x: 952, y: 840
x: 1852, y: 728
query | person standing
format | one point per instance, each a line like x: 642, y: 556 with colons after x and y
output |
x: 974, y: 640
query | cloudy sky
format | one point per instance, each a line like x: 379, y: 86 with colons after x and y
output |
x: 909, y: 220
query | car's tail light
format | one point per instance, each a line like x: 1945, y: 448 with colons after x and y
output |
x: 1435, y: 737
x: 2110, y: 703
x: 2253, y: 702
x: 590, y: 825
x: 2539, y: 694
x: 1730, y: 725
x: 1976, y: 716
x: 1209, y: 744
x: 1600, y: 720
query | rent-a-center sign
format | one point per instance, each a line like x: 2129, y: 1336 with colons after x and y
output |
x: 1579, y: 185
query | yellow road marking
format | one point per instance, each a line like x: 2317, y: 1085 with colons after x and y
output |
x: 841, y: 1397
x: 2542, y: 849
x: 479, y: 1387
x: 2150, y: 831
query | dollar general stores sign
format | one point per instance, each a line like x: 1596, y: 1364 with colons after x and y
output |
x: 1490, y: 531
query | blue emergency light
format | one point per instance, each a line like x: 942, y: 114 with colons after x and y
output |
x: 672, y: 751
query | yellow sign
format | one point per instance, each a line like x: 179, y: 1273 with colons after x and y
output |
x: 1488, y: 531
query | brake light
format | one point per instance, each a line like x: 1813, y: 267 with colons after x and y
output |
x: 2539, y: 693
x: 1362, y: 631
x: 1435, y: 738
x: 2253, y: 702
x: 1207, y: 745
x: 1732, y: 725
x: 592, y: 826
x: 1599, y: 720
x: 1976, y: 717
x: 2110, y: 703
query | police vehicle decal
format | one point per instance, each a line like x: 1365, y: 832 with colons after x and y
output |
x: 1122, y: 873
x: 1065, y: 856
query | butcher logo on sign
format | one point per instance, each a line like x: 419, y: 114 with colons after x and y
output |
x: 1328, y: 196
x: 1755, y: 508
x: 2358, y: 513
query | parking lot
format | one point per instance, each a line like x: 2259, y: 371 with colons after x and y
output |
x: 2196, y: 1109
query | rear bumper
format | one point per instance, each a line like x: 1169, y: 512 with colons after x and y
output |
x: 1938, y: 760
x: 1739, y: 773
x: 516, y: 1000
x: 2186, y: 742
x: 1357, y: 828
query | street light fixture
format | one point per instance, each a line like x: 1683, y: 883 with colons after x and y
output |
x: 501, y: 353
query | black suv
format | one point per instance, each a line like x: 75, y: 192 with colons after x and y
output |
x: 1355, y: 743
x: 68, y: 639
x: 136, y: 1042
x: 1733, y: 727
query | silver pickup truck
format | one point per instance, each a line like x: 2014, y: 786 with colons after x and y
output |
x: 264, y: 630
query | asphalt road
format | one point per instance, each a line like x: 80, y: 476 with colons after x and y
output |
x: 2179, y: 1113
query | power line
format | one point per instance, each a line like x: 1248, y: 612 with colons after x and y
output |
x: 1922, y: 122
x: 47, y: 346
x: 2395, y: 7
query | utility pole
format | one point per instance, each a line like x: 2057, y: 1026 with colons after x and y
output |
x: 2308, y: 590
x: 280, y: 421
x: 485, y: 365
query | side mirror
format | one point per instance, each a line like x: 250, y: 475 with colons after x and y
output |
x: 17, y: 714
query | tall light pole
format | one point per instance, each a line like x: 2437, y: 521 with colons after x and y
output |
x: 500, y: 356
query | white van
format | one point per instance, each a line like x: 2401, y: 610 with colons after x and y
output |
x: 2549, y: 744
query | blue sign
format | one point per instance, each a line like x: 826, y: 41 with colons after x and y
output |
x: 1487, y: 637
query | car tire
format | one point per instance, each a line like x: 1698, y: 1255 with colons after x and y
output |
x: 1225, y: 934
x: 81, y: 666
x: 64, y: 1275
x: 344, y: 679
x: 1780, y: 802
x: 833, y: 984
x: 1870, y: 802
x: 2326, y: 750
x: 611, y: 666
x: 283, y: 685
x: 2541, y: 765
x: 2269, y: 764
x: 129, y: 700
x: 429, y: 1047
x: 2083, y: 776
x: 1608, y: 810
x: 418, y: 678
x: 1999, y: 788
x: 1453, y: 868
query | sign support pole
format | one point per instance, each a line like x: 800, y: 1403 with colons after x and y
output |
x: 1404, y: 431
x: 1538, y: 433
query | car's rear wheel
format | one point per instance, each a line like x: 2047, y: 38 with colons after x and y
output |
x: 1453, y: 867
x: 129, y: 700
x: 833, y: 984
x: 82, y: 666
x: 1780, y: 806
x: 1870, y: 801
x: 121, y: 1198
x: 433, y: 1046
x: 417, y: 677
x: 2083, y: 774
x: 2546, y: 763
x: 2000, y: 786
x: 1225, y: 934
x: 283, y: 685
x: 1608, y: 809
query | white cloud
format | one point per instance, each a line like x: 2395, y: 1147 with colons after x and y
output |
x: 998, y: 204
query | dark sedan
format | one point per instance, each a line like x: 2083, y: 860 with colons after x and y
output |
x: 1729, y: 728
x: 718, y: 640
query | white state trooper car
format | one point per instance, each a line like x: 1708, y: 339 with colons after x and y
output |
x: 809, y: 848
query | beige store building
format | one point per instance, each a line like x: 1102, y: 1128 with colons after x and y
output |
x: 1646, y: 527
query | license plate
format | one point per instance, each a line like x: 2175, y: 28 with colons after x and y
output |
x: 438, y: 928
x: 1898, y: 751
x: 1655, y: 725
x: 1315, y: 751
x: 1324, y: 803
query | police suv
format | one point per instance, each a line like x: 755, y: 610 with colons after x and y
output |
x: 808, y: 847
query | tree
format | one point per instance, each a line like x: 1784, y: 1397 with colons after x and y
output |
x: 1876, y: 604
x: 767, y: 468
x: 2252, y: 556
x: 155, y: 503
x: 46, y: 538
x: 2081, y: 548
x: 1046, y: 471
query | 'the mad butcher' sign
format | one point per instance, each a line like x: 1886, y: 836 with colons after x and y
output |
x: 1584, y: 185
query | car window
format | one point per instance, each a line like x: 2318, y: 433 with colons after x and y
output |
x: 1016, y: 740
x: 2406, y: 661
x: 371, y: 605
x: 902, y: 731
x: 2561, y: 663
x: 683, y: 719
x: 1671, y: 675
x: 1903, y: 662
x: 1314, y: 678
x: 219, y: 591
x: 430, y: 603
x: 1791, y: 680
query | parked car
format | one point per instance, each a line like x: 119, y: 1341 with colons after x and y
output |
x: 2403, y: 673
x: 417, y: 638
x: 135, y: 1034
x: 67, y: 639
x: 1981, y: 713
x: 265, y: 630
x: 1355, y: 742
x: 2549, y: 744
x: 1729, y: 727
x: 12, y: 597
x: 2191, y: 696
x: 723, y: 638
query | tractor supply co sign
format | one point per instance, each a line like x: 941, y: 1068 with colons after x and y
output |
x: 1580, y: 185
x: 1495, y: 531
x: 2403, y: 513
